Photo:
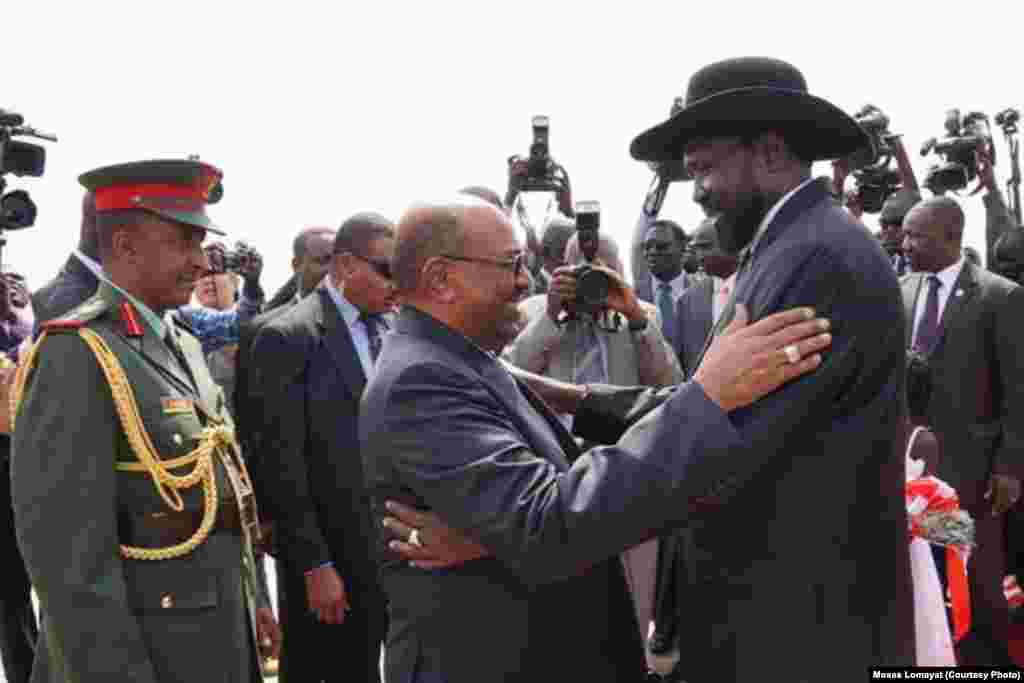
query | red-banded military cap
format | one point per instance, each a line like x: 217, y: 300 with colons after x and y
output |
x: 176, y: 189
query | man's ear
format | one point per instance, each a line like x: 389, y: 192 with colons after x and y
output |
x: 124, y: 243
x: 343, y: 265
x: 296, y: 264
x: 436, y: 280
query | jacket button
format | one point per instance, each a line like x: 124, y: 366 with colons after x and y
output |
x: 167, y: 601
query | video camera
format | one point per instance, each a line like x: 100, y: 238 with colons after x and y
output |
x: 675, y: 170
x: 592, y: 286
x: 965, y: 136
x: 871, y: 166
x: 17, y: 210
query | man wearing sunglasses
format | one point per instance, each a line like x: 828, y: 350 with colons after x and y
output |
x: 311, y: 363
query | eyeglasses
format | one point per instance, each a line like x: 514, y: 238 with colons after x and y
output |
x: 517, y: 264
x: 382, y: 269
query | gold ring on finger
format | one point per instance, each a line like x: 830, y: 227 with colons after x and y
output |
x: 792, y: 353
x: 414, y: 538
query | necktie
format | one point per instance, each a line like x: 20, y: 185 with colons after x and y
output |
x: 667, y: 308
x: 928, y: 328
x: 373, y: 323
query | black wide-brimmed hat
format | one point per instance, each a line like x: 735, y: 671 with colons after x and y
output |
x: 750, y: 95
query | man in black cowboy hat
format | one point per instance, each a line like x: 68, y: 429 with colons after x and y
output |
x: 803, y: 567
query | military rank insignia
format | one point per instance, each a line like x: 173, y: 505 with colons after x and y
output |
x: 131, y: 321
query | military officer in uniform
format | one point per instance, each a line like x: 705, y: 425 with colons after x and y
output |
x: 132, y: 504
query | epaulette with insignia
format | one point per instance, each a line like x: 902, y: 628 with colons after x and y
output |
x: 89, y: 310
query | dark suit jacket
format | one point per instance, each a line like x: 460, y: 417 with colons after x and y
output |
x: 307, y: 370
x: 977, y: 400
x: 694, y: 314
x: 74, y: 284
x: 285, y: 295
x: 445, y: 427
x: 816, y: 528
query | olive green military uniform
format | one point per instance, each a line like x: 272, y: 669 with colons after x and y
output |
x: 108, y: 618
x: 84, y: 498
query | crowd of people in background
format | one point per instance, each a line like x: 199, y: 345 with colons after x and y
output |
x: 359, y: 391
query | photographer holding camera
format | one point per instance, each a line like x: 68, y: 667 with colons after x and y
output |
x: 216, y: 320
x: 571, y: 336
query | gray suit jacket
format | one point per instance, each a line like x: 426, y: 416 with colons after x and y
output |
x: 977, y: 404
x: 547, y: 349
x: 445, y: 427
x: 694, y: 319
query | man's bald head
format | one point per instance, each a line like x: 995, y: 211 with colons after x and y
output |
x: 943, y: 213
x: 433, y: 229
x: 486, y: 194
x: 933, y: 234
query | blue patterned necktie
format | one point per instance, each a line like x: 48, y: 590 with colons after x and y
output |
x: 667, y: 309
x: 928, y: 328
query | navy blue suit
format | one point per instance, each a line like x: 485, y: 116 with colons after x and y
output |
x: 445, y: 427
x: 305, y: 368
x: 803, y: 567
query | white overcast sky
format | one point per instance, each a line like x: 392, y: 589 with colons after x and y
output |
x: 317, y: 110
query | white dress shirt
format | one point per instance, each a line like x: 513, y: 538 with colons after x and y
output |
x: 722, y: 290
x: 356, y: 328
x: 947, y: 280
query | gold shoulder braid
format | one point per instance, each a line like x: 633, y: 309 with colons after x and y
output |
x: 218, y: 440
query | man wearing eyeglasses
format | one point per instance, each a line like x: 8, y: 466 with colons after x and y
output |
x: 312, y: 362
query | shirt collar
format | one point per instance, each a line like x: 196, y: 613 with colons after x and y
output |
x: 157, y: 325
x: 948, y: 276
x: 678, y: 284
x: 154, y: 321
x: 774, y: 211
x: 349, y: 313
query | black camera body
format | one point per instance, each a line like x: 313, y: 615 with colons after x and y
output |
x: 592, y: 286
x: 541, y: 175
x: 965, y: 136
x: 874, y: 186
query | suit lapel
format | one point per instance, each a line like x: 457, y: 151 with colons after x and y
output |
x: 339, y: 344
x: 911, y: 290
x: 960, y: 298
x: 706, y: 314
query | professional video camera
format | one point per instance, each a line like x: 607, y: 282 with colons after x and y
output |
x: 873, y: 174
x: 1007, y: 120
x: 592, y: 286
x: 17, y: 210
x: 675, y: 170
x: 965, y: 135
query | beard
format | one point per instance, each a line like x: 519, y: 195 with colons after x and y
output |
x: 736, y: 226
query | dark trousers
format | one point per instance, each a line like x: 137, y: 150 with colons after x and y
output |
x: 314, y: 652
x: 18, y: 629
